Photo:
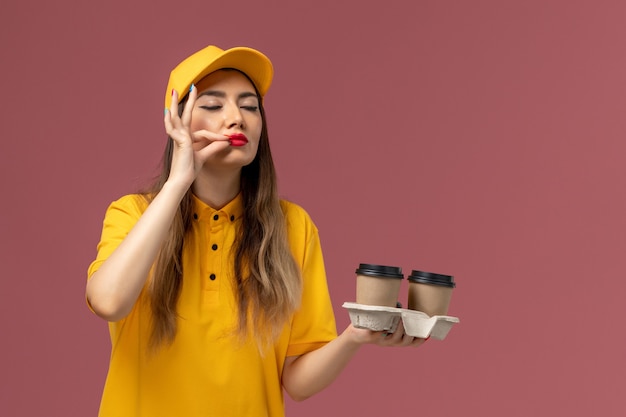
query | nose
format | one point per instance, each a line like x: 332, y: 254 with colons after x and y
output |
x: 233, y: 116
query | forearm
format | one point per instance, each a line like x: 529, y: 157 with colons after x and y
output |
x: 114, y: 288
x: 312, y: 372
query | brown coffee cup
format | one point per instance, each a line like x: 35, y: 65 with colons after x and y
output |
x: 430, y: 293
x: 378, y: 285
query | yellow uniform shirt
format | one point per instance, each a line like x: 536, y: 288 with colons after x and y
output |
x: 206, y: 372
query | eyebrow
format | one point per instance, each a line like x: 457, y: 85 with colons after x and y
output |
x: 221, y: 94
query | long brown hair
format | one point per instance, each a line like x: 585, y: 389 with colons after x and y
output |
x: 268, y: 280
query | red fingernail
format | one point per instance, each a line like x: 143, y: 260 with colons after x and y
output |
x: 173, y: 91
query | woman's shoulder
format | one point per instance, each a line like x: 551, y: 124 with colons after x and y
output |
x: 296, y: 216
x: 293, y: 210
x: 130, y: 203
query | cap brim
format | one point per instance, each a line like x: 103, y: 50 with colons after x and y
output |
x: 247, y: 60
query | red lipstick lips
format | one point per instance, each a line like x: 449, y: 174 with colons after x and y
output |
x: 237, y: 139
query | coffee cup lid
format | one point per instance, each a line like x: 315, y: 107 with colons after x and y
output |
x: 431, y: 278
x: 373, y: 270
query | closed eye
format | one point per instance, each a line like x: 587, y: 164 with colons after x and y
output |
x: 250, y: 108
x: 211, y: 108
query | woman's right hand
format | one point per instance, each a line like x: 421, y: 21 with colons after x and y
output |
x: 191, y: 149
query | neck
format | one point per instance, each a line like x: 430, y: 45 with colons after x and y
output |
x: 217, y: 188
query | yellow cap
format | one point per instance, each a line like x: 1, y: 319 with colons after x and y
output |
x: 247, y: 60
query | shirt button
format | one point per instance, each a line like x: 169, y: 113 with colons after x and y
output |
x: 232, y: 218
x: 216, y: 217
x: 214, y: 247
x: 212, y: 277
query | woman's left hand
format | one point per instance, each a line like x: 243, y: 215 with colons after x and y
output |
x: 382, y: 338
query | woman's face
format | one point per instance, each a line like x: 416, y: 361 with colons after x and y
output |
x: 228, y: 104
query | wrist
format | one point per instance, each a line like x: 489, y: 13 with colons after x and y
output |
x: 354, y: 338
x: 175, y: 187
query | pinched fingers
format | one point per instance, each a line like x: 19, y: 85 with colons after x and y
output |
x: 206, y: 144
x: 207, y: 137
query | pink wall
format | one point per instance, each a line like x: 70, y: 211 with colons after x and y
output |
x: 484, y: 139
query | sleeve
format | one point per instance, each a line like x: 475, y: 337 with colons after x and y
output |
x: 313, y: 325
x: 119, y: 219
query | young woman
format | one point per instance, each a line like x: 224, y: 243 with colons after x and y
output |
x: 214, y: 288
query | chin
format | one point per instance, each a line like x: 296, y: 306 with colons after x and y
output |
x: 238, y: 160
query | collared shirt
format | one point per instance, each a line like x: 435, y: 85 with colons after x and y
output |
x: 206, y: 371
